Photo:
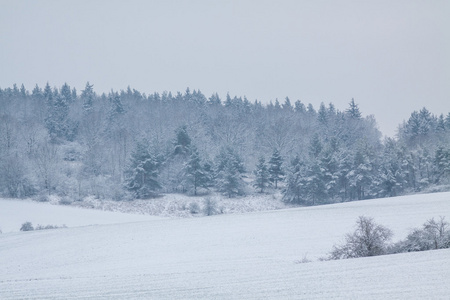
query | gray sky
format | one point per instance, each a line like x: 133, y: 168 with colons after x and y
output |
x: 392, y: 57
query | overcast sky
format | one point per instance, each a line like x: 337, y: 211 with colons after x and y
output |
x: 392, y: 57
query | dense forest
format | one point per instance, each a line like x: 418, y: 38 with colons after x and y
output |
x: 127, y: 145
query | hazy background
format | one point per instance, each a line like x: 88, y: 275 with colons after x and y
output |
x: 393, y: 57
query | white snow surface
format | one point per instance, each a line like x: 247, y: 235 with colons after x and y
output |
x: 233, y: 256
x: 13, y: 213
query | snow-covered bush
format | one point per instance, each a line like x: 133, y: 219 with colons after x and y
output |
x: 432, y: 235
x: 194, y: 208
x: 41, y: 198
x: 65, y: 200
x: 209, y: 207
x: 368, y: 239
x: 42, y: 227
x: 27, y: 226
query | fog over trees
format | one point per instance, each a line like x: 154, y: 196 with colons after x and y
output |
x: 127, y: 145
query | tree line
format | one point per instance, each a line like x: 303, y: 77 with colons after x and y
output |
x: 126, y: 145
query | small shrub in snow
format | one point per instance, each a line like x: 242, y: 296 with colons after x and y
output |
x: 42, y: 198
x: 65, y: 200
x: 432, y: 235
x: 41, y: 227
x: 368, y: 239
x: 304, y: 260
x: 27, y: 226
x: 194, y: 208
x: 209, y: 207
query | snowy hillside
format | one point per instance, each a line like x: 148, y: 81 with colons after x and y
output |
x: 247, y: 256
x: 14, y: 212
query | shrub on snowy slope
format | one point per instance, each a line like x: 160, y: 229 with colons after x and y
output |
x: 27, y: 226
x: 432, y: 235
x: 368, y: 239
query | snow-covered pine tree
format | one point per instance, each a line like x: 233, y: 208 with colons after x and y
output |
x: 88, y: 96
x: 276, y: 173
x: 116, y: 107
x: 353, y: 110
x: 361, y: 177
x: 141, y: 176
x: 315, y: 184
x: 195, y: 174
x: 261, y: 175
x: 295, y: 189
x: 182, y: 141
x: 229, y: 169
x: 442, y: 164
x: 57, y: 121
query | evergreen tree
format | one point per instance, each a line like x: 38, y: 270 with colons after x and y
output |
x: 142, y: 174
x: 183, y: 141
x: 261, y: 175
x: 287, y: 106
x: 315, y: 184
x: 330, y: 172
x: 48, y: 95
x: 88, y: 96
x: 67, y: 93
x: 229, y: 169
x: 276, y: 173
x: 299, y: 107
x: 361, y: 175
x: 442, y: 164
x: 214, y: 100
x: 315, y: 147
x: 322, y: 114
x: 116, y: 106
x: 353, y: 110
x: 229, y: 180
x: 295, y: 183
x: 447, y: 122
x: 23, y: 92
x: 195, y: 172
x: 57, y: 121
x: 37, y: 94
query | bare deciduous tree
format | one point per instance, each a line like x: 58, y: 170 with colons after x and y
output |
x: 368, y: 239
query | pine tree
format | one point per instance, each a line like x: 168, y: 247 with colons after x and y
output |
x: 88, y: 96
x: 295, y: 190
x: 57, y: 122
x: 229, y: 180
x: 315, y: 147
x: 275, y: 170
x: 116, y: 106
x: 353, y: 110
x: 48, y: 95
x: 330, y: 172
x: 361, y: 176
x: 142, y: 174
x: 195, y: 172
x: 315, y: 184
x: 322, y: 114
x: 261, y: 175
x: 229, y: 169
x: 287, y: 106
x: 67, y: 93
x: 183, y: 141
x: 442, y: 163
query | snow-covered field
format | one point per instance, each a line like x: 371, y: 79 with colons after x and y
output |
x: 233, y: 256
x: 13, y: 213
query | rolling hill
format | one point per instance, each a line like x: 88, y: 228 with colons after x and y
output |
x: 240, y: 256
